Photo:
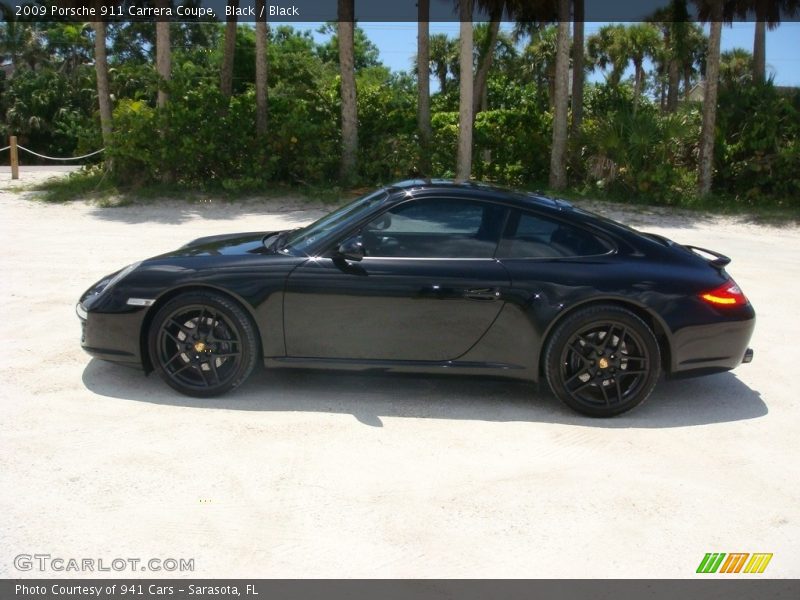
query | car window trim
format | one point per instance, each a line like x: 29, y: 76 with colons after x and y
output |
x: 491, y: 258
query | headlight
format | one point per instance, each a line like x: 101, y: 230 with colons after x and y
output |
x: 105, y: 284
x: 120, y: 276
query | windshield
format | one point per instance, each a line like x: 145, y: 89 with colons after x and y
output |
x: 299, y: 240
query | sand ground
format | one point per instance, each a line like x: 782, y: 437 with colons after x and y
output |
x: 315, y: 474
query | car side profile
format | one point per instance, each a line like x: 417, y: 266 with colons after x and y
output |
x: 431, y: 276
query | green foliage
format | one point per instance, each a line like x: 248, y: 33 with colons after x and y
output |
x: 445, y: 143
x: 365, y: 52
x: 202, y: 140
x: 642, y: 155
x: 512, y: 147
x: 150, y: 145
x: 387, y: 115
x: 758, y: 143
x: 49, y: 111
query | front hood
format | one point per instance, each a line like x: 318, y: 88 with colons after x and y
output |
x: 231, y: 244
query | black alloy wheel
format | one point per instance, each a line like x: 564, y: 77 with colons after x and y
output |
x: 203, y: 344
x: 603, y: 361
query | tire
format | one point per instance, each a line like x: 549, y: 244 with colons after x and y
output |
x: 203, y: 344
x: 602, y: 361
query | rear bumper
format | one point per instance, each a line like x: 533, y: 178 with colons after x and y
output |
x: 712, y: 348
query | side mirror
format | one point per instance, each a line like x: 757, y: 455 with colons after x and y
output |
x: 352, y: 249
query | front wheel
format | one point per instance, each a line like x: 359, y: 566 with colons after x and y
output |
x: 602, y: 361
x: 203, y: 344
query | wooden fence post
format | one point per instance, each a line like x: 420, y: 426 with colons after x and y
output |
x: 14, y: 157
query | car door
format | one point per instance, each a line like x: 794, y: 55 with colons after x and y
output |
x: 427, y: 289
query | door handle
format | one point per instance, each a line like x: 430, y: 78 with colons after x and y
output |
x: 482, y: 294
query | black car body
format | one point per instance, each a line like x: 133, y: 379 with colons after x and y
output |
x: 433, y: 276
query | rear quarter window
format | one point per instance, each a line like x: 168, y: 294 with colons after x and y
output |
x: 529, y: 235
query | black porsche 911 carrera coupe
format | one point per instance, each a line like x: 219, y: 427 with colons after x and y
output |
x: 431, y: 276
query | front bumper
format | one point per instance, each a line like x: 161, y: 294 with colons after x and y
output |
x: 115, y: 337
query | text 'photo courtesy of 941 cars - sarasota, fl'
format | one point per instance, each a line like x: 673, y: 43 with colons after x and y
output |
x: 431, y: 277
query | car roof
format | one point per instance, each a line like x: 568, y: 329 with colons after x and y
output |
x: 477, y: 189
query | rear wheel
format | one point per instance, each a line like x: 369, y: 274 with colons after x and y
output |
x: 602, y: 361
x: 203, y: 344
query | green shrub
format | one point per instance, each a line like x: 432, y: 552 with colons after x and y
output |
x: 758, y: 144
x: 642, y: 155
x: 512, y: 147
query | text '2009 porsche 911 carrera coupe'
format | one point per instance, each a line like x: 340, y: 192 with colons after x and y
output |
x: 431, y: 276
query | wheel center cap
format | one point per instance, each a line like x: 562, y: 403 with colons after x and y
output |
x: 603, y: 363
x: 200, y: 347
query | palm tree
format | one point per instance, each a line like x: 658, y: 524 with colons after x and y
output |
x: 578, y: 73
x: 735, y: 68
x: 712, y: 11
x: 101, y: 67
x: 349, y: 107
x: 692, y: 54
x: 261, y: 68
x: 558, y: 166
x: 442, y: 50
x: 617, y: 45
x: 424, y: 86
x: 163, y: 56
x: 229, y: 50
x: 540, y: 56
x: 672, y: 22
x: 465, y: 114
x: 767, y: 14
x: 609, y: 48
x: 679, y: 46
x: 643, y: 41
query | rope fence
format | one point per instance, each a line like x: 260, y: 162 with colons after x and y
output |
x: 57, y: 158
x: 14, y: 147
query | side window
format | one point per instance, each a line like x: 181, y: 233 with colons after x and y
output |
x: 528, y: 235
x: 435, y: 228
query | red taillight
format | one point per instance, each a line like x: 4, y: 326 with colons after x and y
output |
x: 728, y: 294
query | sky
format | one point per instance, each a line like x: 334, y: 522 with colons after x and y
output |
x: 397, y: 42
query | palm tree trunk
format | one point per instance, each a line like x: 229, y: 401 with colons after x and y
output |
x: 486, y: 60
x: 261, y: 68
x: 229, y: 50
x: 424, y: 86
x: 558, y: 166
x: 706, y: 159
x: 442, y: 75
x: 349, y: 106
x: 164, y: 70
x: 637, y: 83
x: 101, y: 67
x: 577, y: 66
x: 464, y: 162
x: 163, y: 57
x: 673, y: 77
x: 760, y: 52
